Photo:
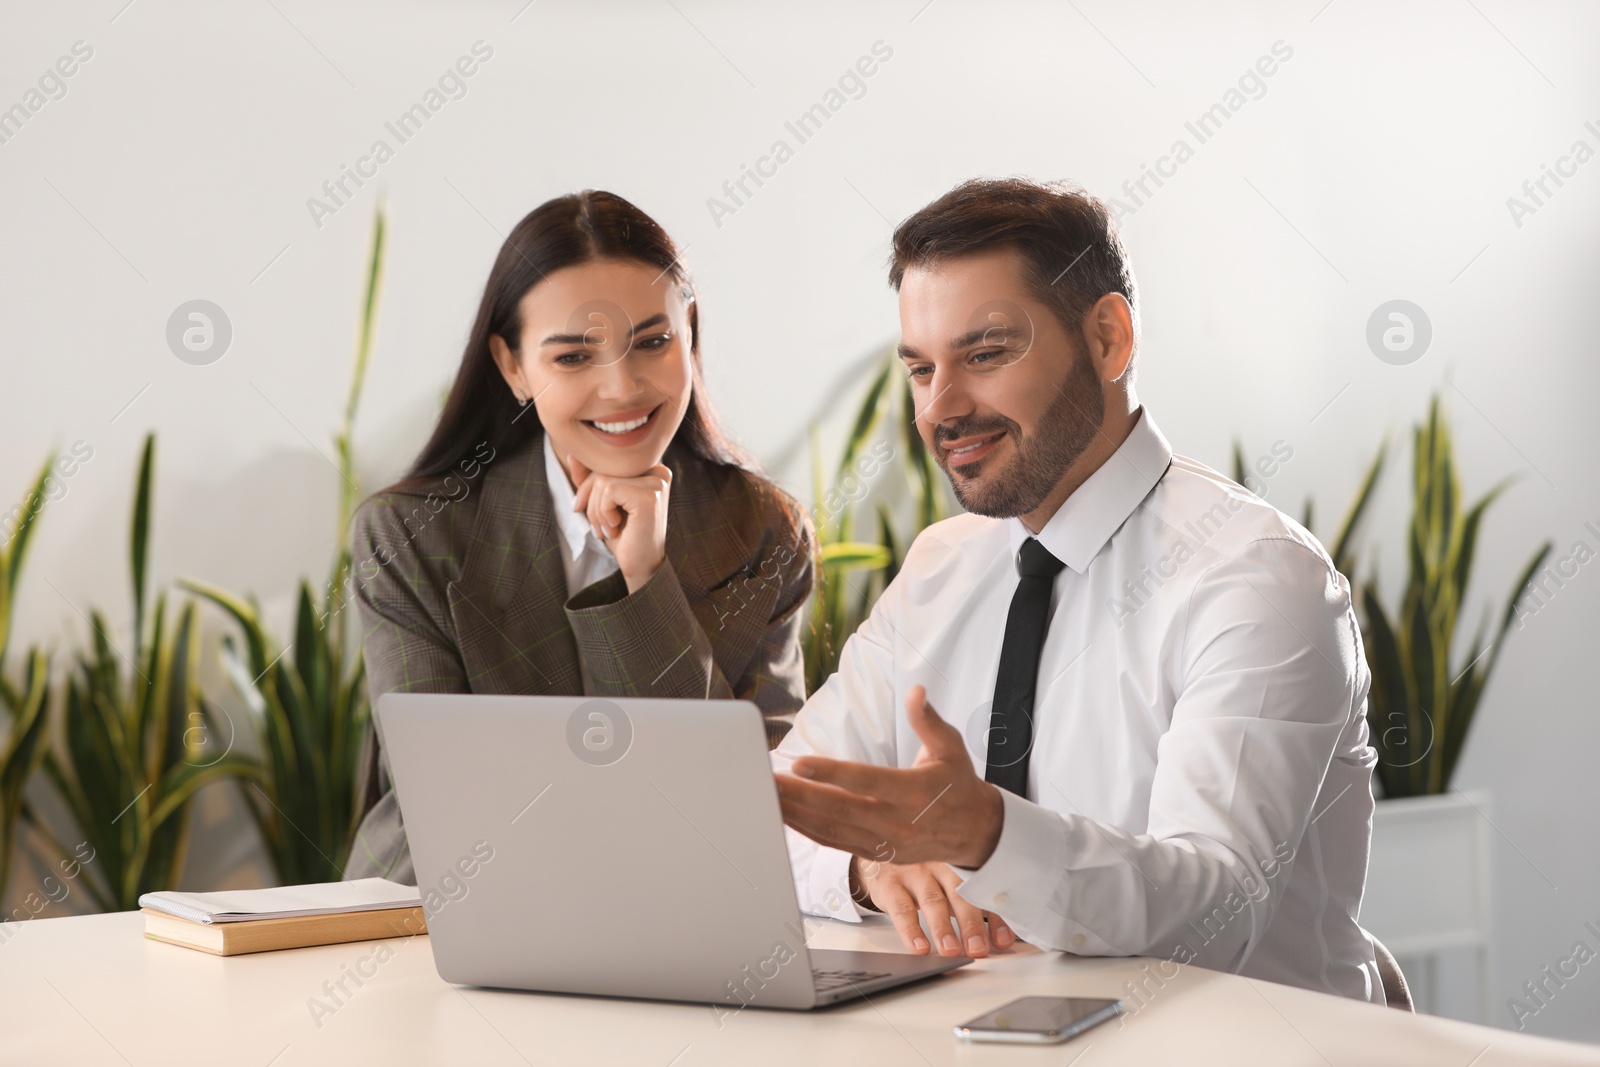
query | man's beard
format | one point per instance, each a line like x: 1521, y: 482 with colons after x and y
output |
x: 1064, y: 432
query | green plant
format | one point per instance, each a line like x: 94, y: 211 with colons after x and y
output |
x: 309, y: 700
x: 132, y: 757
x: 26, y: 703
x: 1420, y: 709
x: 1343, y: 552
x: 1412, y: 680
x: 841, y: 602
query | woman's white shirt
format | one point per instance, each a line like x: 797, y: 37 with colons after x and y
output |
x: 585, y: 559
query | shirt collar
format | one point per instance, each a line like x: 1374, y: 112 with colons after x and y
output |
x: 1096, y: 509
x: 575, y: 529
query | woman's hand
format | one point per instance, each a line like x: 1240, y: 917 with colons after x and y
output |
x: 628, y: 514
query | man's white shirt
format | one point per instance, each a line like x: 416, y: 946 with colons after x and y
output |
x: 1199, y: 788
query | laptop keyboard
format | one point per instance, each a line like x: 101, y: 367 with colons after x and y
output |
x: 831, y: 981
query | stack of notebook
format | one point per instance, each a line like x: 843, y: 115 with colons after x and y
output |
x: 292, y: 916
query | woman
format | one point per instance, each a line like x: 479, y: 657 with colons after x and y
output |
x: 577, y: 523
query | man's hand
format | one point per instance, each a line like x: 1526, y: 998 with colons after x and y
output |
x: 628, y: 514
x: 901, y: 890
x: 937, y: 810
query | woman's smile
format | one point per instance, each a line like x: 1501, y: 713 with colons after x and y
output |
x: 625, y: 428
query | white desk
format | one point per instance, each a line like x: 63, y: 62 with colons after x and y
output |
x: 93, y: 990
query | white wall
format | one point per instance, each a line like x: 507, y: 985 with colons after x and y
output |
x: 1376, y: 165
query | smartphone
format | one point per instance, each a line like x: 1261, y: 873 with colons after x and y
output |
x: 1040, y: 1020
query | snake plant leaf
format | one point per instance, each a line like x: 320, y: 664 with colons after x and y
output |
x: 1411, y: 662
x: 94, y: 777
x: 830, y: 614
x: 1343, y: 544
x: 147, y: 666
x: 185, y: 718
x: 923, y: 468
x: 1519, y: 588
x: 24, y: 748
x: 1449, y: 485
x: 1465, y: 690
x: 72, y: 797
x: 891, y: 565
x: 26, y: 739
x: 168, y: 658
x: 139, y: 537
x: 839, y: 601
x: 1471, y: 682
x: 17, y: 548
x: 311, y: 650
x: 26, y: 704
x: 238, y: 672
x: 167, y: 750
x: 244, y: 613
x: 186, y: 779
x: 97, y: 749
x: 868, y: 417
x: 296, y: 701
x: 817, y: 487
x: 1389, y: 697
x: 841, y: 556
x: 131, y: 729
x: 349, y: 493
x: 1461, y: 569
x: 12, y: 554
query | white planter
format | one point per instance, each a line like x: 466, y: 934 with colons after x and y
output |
x: 1428, y: 886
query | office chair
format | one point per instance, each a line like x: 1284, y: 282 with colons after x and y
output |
x: 1395, y: 989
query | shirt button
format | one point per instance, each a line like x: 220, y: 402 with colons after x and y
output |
x: 1002, y: 899
x: 1078, y: 940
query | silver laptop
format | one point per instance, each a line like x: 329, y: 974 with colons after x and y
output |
x: 613, y: 847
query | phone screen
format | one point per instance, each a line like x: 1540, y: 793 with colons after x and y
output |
x: 1041, y: 1018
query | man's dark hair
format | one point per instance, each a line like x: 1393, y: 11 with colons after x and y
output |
x: 1071, y: 250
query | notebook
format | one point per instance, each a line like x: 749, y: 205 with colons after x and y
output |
x: 235, y: 922
x: 285, y: 901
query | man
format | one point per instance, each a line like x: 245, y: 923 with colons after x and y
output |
x: 1119, y: 707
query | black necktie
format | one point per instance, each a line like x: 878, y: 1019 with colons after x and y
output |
x: 1011, y: 716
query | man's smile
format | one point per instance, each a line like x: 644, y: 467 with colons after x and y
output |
x: 964, y: 451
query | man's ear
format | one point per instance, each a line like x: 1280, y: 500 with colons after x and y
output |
x: 1108, y: 333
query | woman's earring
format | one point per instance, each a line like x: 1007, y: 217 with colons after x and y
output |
x: 518, y: 394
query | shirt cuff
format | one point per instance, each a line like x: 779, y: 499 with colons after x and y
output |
x: 1023, y: 874
x: 829, y: 885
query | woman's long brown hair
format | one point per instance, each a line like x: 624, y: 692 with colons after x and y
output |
x: 563, y: 232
